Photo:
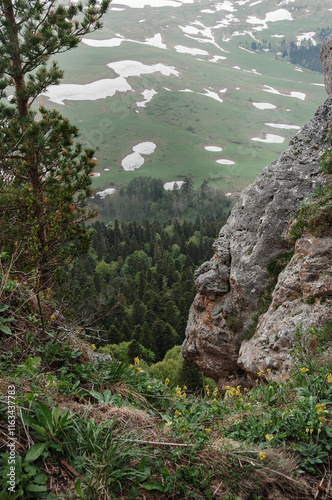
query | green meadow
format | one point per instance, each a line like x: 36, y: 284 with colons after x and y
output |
x: 181, y: 124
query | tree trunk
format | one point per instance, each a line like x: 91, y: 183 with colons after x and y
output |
x: 32, y: 165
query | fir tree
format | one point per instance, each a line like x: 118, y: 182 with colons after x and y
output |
x: 44, y: 174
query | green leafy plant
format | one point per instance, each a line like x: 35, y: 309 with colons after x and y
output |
x: 4, y: 328
x: 106, y: 398
x: 315, y: 215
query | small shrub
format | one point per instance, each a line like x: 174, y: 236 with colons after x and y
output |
x: 234, y: 323
x: 326, y: 159
x: 315, y: 215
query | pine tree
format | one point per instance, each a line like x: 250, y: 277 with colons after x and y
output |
x: 44, y: 174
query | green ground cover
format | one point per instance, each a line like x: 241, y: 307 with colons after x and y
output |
x: 180, y: 123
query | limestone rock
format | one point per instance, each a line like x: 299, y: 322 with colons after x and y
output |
x: 326, y: 58
x: 254, y: 235
x: 302, y: 296
x: 212, y: 277
x: 99, y: 356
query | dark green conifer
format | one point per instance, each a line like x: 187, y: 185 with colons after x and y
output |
x: 44, y: 174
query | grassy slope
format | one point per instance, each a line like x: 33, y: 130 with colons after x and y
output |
x: 112, y: 430
x: 181, y: 124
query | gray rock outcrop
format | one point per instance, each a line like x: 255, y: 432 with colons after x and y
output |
x: 230, y: 285
x: 301, y: 299
x: 326, y: 58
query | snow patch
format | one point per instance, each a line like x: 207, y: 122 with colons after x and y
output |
x: 188, y: 50
x: 306, y: 36
x: 155, y: 41
x: 283, y: 125
x: 247, y: 50
x: 170, y: 186
x: 88, y: 92
x: 217, y: 58
x: 270, y: 138
x: 147, y: 94
x: 225, y: 162
x: 263, y: 105
x: 298, y: 95
x: 140, y: 4
x: 213, y: 95
x: 213, y: 148
x: 276, y: 15
x: 106, y: 192
x: 135, y: 160
x: 128, y: 68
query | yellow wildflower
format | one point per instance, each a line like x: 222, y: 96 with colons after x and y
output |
x: 262, y: 455
x: 177, y: 412
x: 329, y: 377
x: 208, y: 429
x: 136, y: 360
x: 167, y: 381
x: 185, y: 387
x: 260, y: 373
x: 269, y: 437
x: 321, y: 408
x: 149, y: 387
x: 93, y: 347
x: 304, y: 369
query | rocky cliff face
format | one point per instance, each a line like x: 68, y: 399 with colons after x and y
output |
x: 231, y: 284
x: 301, y: 299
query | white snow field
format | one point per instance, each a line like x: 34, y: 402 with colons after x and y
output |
x: 263, y: 105
x: 270, y: 139
x: 135, y: 160
x: 171, y: 185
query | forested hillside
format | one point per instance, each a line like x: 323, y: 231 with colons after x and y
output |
x: 145, y: 198
x: 137, y: 282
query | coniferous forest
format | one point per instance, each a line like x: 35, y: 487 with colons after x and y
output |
x: 137, y: 281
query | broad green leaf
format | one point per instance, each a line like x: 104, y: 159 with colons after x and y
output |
x: 40, y: 478
x: 44, y: 415
x: 35, y: 451
x: 56, y: 414
x: 35, y: 488
x: 3, y: 308
x: 30, y: 469
x: 5, y: 329
x: 165, y: 404
x: 78, y: 487
x: 97, y: 396
x: 153, y: 485
x: 107, y: 396
x: 64, y: 419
